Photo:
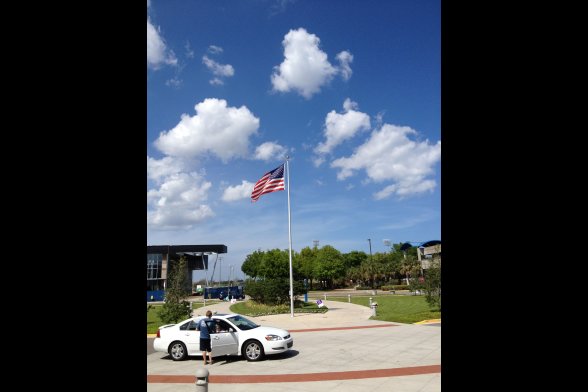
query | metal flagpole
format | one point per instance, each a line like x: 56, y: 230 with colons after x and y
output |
x: 290, y: 241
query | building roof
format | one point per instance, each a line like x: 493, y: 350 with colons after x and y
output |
x: 186, y: 248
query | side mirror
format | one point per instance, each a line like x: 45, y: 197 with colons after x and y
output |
x: 231, y: 330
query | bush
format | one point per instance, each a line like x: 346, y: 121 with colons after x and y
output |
x: 173, y: 312
x: 272, y: 291
x: 395, y: 287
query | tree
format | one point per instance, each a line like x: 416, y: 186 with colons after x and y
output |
x: 307, y: 258
x: 432, y: 283
x: 176, y: 308
x: 329, y: 265
x: 253, y: 264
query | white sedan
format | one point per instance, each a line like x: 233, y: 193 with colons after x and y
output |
x: 236, y: 335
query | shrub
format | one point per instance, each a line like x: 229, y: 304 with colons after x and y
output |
x: 272, y: 291
x: 395, y: 287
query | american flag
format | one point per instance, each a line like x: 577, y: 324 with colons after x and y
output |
x: 271, y: 181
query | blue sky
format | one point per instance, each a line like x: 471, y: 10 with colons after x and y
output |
x: 350, y: 89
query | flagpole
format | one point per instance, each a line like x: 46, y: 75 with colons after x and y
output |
x: 290, y: 241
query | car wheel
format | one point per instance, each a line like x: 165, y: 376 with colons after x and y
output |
x: 178, y: 351
x: 253, y: 350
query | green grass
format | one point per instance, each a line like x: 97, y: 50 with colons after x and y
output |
x: 254, y: 309
x: 153, y: 320
x: 399, y: 308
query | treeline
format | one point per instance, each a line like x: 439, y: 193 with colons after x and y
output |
x: 327, y: 268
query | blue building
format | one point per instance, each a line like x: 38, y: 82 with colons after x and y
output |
x: 160, y: 258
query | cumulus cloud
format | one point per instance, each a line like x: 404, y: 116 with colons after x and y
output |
x: 217, y: 69
x: 178, y: 202
x: 157, y: 52
x: 389, y: 155
x: 345, y: 58
x: 215, y: 49
x: 215, y: 129
x: 306, y: 68
x: 270, y: 150
x: 158, y: 169
x: 238, y: 192
x: 340, y: 127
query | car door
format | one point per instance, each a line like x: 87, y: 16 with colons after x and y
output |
x: 224, y: 342
x: 190, y: 336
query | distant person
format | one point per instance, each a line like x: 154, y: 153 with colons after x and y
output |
x: 203, y: 325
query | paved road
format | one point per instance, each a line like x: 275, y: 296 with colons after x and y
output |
x: 339, y: 350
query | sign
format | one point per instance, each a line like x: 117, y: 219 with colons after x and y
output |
x: 429, y: 250
x: 319, y: 303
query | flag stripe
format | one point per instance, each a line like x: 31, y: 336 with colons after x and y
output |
x: 271, y: 181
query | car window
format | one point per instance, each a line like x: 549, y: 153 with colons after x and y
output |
x: 189, y: 326
x: 211, y: 324
x: 221, y: 326
x: 242, y: 323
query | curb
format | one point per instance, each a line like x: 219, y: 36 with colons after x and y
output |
x: 429, y: 321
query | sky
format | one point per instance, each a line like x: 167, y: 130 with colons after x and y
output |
x: 350, y: 90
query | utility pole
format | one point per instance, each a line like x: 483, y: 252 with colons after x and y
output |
x: 370, y: 241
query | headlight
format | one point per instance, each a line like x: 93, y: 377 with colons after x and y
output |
x: 272, y: 337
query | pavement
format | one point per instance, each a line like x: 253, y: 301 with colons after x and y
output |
x: 340, y: 350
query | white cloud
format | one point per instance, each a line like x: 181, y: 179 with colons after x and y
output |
x: 218, y: 69
x: 406, y: 188
x: 157, y: 52
x: 159, y: 169
x: 216, y: 129
x: 189, y: 51
x: 270, y: 150
x: 178, y: 202
x: 238, y: 192
x: 216, y: 82
x: 280, y: 6
x: 345, y: 58
x: 215, y: 49
x: 340, y: 127
x: 389, y: 155
x: 173, y: 82
x: 305, y: 68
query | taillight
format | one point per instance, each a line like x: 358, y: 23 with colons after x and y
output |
x: 158, y: 334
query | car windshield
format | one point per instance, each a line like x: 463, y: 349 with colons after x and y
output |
x: 242, y: 323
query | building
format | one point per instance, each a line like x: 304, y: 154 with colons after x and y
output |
x: 427, y: 251
x: 160, y: 258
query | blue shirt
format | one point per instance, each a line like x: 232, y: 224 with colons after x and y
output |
x: 203, y: 328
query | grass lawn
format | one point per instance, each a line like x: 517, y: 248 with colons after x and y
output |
x: 251, y: 308
x: 400, y: 308
x: 153, y: 320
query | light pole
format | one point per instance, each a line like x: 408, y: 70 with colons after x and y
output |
x: 370, y: 241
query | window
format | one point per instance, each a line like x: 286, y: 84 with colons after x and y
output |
x: 154, y: 266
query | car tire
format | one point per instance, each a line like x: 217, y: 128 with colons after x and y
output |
x: 253, y: 350
x: 177, y: 350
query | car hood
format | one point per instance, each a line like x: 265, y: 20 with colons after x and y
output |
x: 270, y: 331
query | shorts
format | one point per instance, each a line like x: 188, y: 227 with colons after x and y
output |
x: 205, y: 345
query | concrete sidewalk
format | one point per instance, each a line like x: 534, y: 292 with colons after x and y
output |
x: 341, y: 349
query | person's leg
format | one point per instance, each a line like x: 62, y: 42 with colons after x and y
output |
x: 204, y: 356
x: 210, y: 357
